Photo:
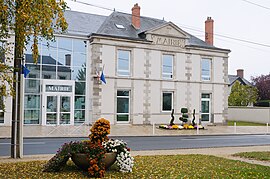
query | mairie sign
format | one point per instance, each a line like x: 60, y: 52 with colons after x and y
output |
x: 58, y: 88
x: 168, y: 41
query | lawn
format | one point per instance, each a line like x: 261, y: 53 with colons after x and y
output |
x: 263, y: 156
x: 242, y: 123
x: 171, y: 166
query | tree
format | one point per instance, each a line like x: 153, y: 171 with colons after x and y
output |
x: 242, y: 95
x: 6, y: 79
x: 26, y: 19
x: 263, y: 85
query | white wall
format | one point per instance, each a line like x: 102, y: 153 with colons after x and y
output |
x: 250, y: 114
x: 218, y: 70
x: 196, y: 67
x: 187, y: 92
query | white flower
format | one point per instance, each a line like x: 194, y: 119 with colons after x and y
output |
x: 123, y: 157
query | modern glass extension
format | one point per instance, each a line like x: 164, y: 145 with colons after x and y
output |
x: 55, y: 87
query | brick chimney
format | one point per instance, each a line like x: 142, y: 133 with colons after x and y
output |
x: 240, y: 73
x: 136, y: 16
x: 209, y: 31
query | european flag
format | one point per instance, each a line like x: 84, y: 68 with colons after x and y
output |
x: 25, y: 71
x: 102, y: 77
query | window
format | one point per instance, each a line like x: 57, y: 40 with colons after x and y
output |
x: 206, y: 69
x: 167, y: 101
x: 122, y: 106
x: 2, y: 53
x: 123, y: 62
x: 205, y: 107
x: 31, y: 109
x: 32, y: 83
x: 1, y: 110
x: 167, y: 66
x: 46, y: 76
x: 79, y: 113
x: 119, y: 26
x: 61, y: 77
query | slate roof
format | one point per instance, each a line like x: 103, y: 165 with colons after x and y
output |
x: 91, y: 24
x: 233, y: 78
x: 109, y: 26
x: 83, y: 24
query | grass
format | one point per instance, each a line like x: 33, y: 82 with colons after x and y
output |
x: 263, y: 156
x: 242, y: 123
x: 171, y: 166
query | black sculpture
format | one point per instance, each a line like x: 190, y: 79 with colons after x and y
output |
x: 184, y: 117
x: 171, y: 122
x: 193, y: 121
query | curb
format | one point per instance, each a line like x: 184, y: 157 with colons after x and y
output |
x: 157, y: 135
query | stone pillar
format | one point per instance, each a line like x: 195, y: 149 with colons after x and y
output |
x: 96, y: 66
x: 147, y: 89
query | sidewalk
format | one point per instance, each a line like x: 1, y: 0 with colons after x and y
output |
x: 225, y: 152
x: 130, y: 130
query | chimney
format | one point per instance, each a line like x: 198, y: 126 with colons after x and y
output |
x: 209, y: 31
x: 240, y: 73
x: 136, y: 16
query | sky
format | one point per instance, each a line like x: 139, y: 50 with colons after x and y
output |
x: 245, y: 20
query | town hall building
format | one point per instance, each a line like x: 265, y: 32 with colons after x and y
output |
x: 150, y: 66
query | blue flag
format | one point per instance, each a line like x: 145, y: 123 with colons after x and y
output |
x: 102, y: 77
x: 25, y: 71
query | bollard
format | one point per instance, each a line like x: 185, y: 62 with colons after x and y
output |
x: 235, y: 127
x: 267, y: 131
x: 153, y: 128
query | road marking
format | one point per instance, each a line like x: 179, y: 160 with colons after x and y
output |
x: 28, y: 143
x: 222, y: 138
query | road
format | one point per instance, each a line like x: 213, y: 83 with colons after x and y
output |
x: 34, y: 146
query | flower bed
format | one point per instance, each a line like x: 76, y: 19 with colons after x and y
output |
x: 95, y: 149
x: 179, y: 127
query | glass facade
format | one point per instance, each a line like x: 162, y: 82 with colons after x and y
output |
x: 62, y: 59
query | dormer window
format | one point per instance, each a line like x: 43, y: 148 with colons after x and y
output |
x: 119, y: 26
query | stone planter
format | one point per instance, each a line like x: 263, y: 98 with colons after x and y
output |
x: 81, y: 160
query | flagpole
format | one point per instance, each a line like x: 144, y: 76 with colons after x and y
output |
x: 22, y: 108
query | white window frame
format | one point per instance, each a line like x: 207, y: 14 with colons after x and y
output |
x: 206, y: 77
x: 121, y: 70
x: 164, y: 74
x: 172, y: 95
x: 208, y: 100
x: 125, y: 97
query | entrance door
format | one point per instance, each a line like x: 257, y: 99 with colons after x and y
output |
x: 206, y: 108
x: 58, y: 109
